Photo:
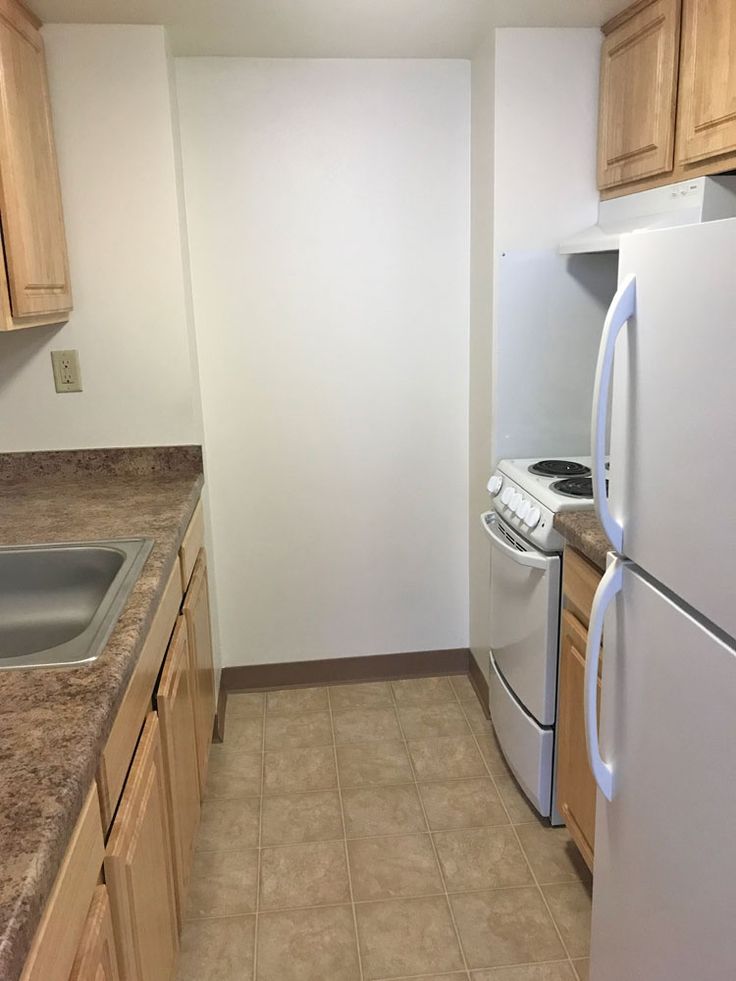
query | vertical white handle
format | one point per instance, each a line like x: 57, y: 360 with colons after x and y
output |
x: 621, y: 309
x: 607, y: 590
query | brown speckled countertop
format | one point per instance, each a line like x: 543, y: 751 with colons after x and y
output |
x: 583, y: 531
x: 53, y: 723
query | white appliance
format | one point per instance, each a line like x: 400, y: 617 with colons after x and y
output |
x: 685, y: 203
x: 526, y: 560
x: 664, y: 893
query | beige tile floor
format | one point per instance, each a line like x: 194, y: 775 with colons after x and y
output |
x: 370, y: 832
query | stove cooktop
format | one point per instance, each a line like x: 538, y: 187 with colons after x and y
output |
x: 559, y: 468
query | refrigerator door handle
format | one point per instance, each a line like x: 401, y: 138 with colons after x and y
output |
x: 621, y: 309
x: 608, y: 588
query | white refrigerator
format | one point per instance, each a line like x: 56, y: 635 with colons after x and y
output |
x: 664, y: 751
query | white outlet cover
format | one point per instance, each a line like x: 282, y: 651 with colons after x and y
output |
x: 67, y: 376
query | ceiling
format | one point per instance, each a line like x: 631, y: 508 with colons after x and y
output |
x: 330, y: 28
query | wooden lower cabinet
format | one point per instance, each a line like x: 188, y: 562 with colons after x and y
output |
x: 175, y: 704
x: 138, y: 868
x: 576, y: 790
x: 196, y: 611
x: 97, y: 958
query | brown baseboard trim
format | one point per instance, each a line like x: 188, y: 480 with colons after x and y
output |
x: 344, y: 670
x: 478, y: 681
x: 218, y: 733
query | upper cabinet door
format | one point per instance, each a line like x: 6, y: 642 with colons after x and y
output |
x: 707, y: 110
x: 638, y: 92
x: 30, y: 196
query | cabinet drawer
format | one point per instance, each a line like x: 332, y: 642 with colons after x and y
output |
x: 191, y: 544
x: 580, y: 580
x: 57, y: 938
x: 118, y: 751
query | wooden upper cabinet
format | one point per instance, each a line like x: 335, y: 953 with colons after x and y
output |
x: 638, y: 92
x: 707, y: 106
x: 36, y: 270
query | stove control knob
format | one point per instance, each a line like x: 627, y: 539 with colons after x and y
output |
x: 507, y: 495
x: 532, y: 518
x: 523, y: 509
x: 495, y: 484
x: 516, y: 500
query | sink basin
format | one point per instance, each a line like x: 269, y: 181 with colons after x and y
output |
x: 59, y: 603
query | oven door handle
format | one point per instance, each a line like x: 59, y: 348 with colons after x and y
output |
x: 533, y: 560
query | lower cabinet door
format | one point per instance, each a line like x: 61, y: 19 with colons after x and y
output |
x: 576, y: 790
x: 138, y: 869
x: 175, y: 704
x: 97, y: 958
x: 199, y: 635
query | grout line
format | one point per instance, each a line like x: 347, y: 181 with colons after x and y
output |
x: 260, y: 834
x: 345, y: 838
x: 523, y: 850
x: 432, y: 841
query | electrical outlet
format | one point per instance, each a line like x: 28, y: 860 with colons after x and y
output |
x: 67, y: 376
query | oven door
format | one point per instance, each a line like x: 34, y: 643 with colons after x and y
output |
x: 525, y: 617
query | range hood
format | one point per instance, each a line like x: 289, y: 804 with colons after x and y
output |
x: 686, y: 203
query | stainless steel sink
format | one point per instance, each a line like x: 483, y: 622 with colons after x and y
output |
x: 59, y: 603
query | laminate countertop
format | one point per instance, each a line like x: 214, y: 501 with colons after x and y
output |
x: 583, y: 531
x: 54, y: 722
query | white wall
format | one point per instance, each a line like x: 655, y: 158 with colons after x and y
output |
x: 112, y: 118
x: 328, y: 213
x: 481, y: 320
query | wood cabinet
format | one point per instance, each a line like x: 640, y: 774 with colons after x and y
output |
x: 707, y: 110
x: 197, y: 615
x: 138, y: 868
x: 667, y: 94
x: 175, y: 705
x: 638, y: 93
x: 97, y: 959
x: 34, y: 276
x: 576, y: 789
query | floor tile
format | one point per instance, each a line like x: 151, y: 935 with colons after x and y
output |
x: 311, y: 874
x: 299, y: 731
x: 223, y: 883
x: 582, y: 968
x: 308, y: 945
x: 359, y: 725
x: 370, y: 694
x: 481, y: 858
x: 473, y: 803
x: 295, y: 700
x: 217, y: 950
x: 292, y: 770
x: 551, y: 853
x: 405, y: 937
x: 447, y: 757
x: 555, y: 971
x: 427, y: 721
x: 491, y: 752
x: 382, y: 811
x: 517, y: 804
x: 385, y: 868
x: 292, y: 818
x: 463, y: 688
x: 505, y: 926
x: 477, y: 718
x: 232, y: 773
x: 244, y: 732
x: 373, y: 764
x: 423, y: 691
x: 570, y: 906
x: 245, y: 704
x: 228, y: 824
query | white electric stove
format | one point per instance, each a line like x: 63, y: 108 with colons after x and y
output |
x: 526, y: 576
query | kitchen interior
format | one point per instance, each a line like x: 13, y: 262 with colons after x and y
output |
x: 362, y: 368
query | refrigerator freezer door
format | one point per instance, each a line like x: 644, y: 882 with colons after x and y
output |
x: 673, y: 423
x: 664, y: 885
